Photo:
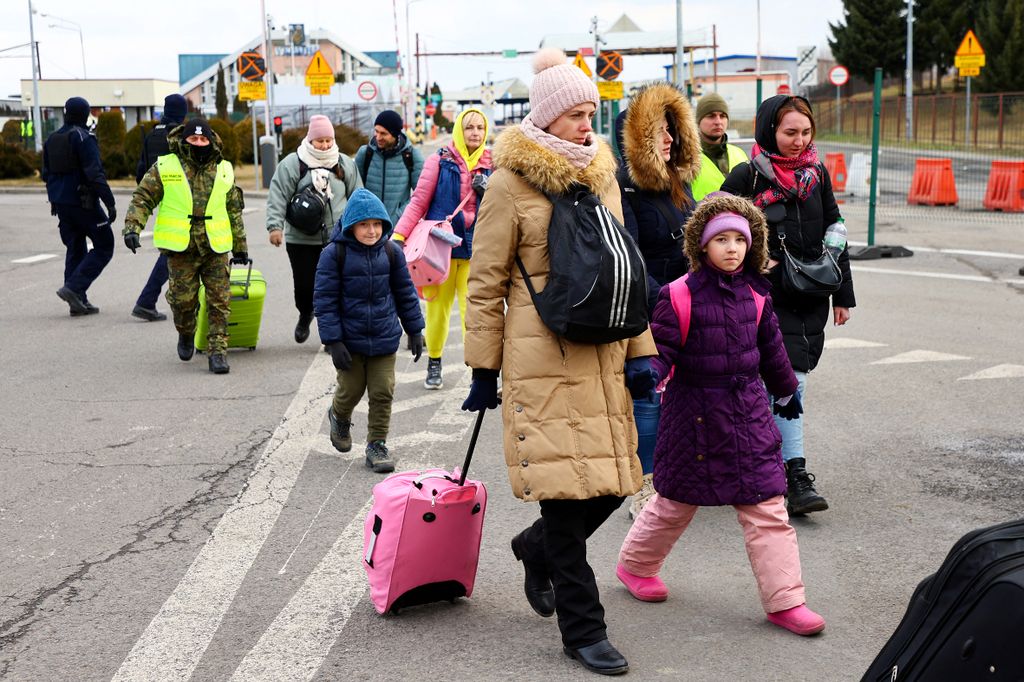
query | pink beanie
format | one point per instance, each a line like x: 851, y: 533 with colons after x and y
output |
x: 557, y: 87
x: 319, y: 126
x: 724, y: 222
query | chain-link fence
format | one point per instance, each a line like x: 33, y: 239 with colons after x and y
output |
x: 358, y: 116
x: 960, y: 161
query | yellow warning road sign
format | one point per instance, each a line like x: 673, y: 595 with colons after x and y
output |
x: 970, y: 71
x: 609, y: 90
x: 318, y: 66
x: 969, y: 55
x: 250, y: 90
x: 581, y: 64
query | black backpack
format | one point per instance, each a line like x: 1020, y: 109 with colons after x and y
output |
x: 305, y: 210
x: 597, y: 283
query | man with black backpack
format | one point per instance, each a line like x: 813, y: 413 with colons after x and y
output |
x: 389, y: 165
x: 153, y: 147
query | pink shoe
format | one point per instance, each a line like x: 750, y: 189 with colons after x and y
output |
x: 798, y: 619
x: 644, y: 589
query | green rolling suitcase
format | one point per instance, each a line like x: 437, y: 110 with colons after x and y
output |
x: 248, y: 290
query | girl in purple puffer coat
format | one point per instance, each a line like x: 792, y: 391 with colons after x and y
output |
x: 717, y: 442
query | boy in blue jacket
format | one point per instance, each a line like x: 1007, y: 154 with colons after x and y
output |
x: 363, y: 298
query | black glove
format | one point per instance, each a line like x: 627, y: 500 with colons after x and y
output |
x: 479, y: 184
x: 640, y: 377
x: 111, y: 214
x: 791, y: 410
x: 416, y: 346
x: 240, y: 257
x: 340, y: 356
x: 131, y: 240
x: 483, y: 392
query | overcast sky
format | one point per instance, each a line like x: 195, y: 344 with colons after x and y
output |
x: 131, y: 40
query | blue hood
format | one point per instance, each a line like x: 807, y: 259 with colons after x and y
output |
x: 362, y: 205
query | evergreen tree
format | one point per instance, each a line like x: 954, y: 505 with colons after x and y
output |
x: 1001, y: 34
x: 872, y: 34
x: 221, y: 99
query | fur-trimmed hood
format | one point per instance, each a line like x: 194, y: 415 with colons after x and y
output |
x: 647, y: 169
x: 719, y: 202
x: 549, y: 171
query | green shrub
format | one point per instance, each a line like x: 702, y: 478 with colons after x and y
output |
x: 133, y: 139
x: 229, y: 145
x: 349, y: 139
x: 291, y: 138
x: 11, y: 133
x: 243, y: 134
x: 110, y: 132
x: 15, y: 162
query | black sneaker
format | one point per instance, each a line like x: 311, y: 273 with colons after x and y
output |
x: 219, y: 363
x: 186, y: 346
x: 75, y: 301
x: 801, y: 497
x: 341, y: 432
x: 148, y: 314
x: 378, y: 458
x: 302, y: 328
x: 434, y: 380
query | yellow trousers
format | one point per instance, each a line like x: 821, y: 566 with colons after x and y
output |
x: 439, y: 306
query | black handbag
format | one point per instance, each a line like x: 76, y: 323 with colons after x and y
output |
x: 305, y: 210
x: 820, y: 277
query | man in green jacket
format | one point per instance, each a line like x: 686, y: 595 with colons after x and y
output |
x: 199, y: 222
x: 719, y: 157
x: 389, y: 165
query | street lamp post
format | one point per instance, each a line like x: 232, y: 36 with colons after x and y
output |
x: 76, y: 27
x: 410, y: 94
x: 37, y: 122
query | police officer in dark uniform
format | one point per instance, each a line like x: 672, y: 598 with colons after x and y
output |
x: 153, y: 147
x: 75, y: 186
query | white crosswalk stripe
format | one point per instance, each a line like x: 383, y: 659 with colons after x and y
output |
x: 919, y: 356
x: 997, y: 372
x: 844, y: 343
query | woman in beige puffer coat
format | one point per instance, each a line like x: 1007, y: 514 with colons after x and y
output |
x: 570, y: 440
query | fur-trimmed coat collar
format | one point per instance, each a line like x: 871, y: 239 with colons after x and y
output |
x: 550, y: 172
x: 647, y: 169
x: 757, y: 253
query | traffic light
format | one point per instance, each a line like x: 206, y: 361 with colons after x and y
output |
x: 278, y: 124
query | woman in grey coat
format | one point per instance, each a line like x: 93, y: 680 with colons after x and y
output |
x: 318, y: 164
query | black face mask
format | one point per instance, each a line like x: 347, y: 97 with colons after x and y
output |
x: 200, y: 154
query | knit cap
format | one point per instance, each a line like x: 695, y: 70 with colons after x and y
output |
x: 175, y: 108
x: 319, y: 126
x: 391, y: 121
x: 711, y: 103
x: 557, y: 87
x: 724, y: 222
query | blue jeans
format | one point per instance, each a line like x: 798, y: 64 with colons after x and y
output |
x: 157, y: 280
x: 646, y: 414
x: 792, y: 430
x: 83, y: 265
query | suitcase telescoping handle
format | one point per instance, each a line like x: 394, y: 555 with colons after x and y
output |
x: 472, y: 446
x: 248, y: 278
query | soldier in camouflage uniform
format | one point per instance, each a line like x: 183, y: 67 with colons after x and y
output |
x: 196, y: 242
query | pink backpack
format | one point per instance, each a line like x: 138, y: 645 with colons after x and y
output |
x: 679, y: 293
x: 428, y: 249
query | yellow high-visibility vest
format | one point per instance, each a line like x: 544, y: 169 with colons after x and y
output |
x: 173, y: 225
x: 710, y: 178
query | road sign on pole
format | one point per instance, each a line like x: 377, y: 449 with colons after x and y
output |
x: 252, y: 90
x: 581, y: 64
x: 838, y: 75
x: 609, y: 64
x: 367, y: 90
x: 319, y: 75
x: 251, y: 66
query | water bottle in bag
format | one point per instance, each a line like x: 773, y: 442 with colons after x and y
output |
x: 835, y: 238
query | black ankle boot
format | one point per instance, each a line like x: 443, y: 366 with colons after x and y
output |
x: 302, y: 328
x: 537, y: 585
x: 801, y: 497
x: 186, y: 346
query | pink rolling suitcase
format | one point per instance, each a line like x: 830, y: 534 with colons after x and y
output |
x: 421, y: 540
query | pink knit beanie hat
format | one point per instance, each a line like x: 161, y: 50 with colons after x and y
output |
x: 723, y: 222
x: 557, y: 87
x: 319, y: 126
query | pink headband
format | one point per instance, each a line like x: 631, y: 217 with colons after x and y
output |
x: 723, y: 222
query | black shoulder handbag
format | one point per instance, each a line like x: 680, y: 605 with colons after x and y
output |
x: 305, y: 209
x: 820, y: 277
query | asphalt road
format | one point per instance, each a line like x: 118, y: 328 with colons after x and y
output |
x: 158, y: 522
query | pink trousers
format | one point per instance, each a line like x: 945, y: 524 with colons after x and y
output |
x: 770, y: 540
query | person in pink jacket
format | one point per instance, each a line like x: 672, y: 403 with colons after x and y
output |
x: 459, y: 170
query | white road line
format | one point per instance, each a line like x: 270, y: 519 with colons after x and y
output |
x: 300, y: 638
x: 938, y: 275
x: 958, y: 252
x: 312, y: 522
x: 919, y: 356
x: 997, y: 372
x: 844, y: 342
x: 35, y: 259
x: 174, y: 642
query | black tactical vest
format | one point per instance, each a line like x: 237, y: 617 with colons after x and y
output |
x: 60, y: 155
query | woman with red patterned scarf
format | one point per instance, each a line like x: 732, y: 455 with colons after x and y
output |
x: 789, y: 184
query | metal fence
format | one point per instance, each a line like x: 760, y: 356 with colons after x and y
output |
x: 937, y: 171
x: 358, y: 116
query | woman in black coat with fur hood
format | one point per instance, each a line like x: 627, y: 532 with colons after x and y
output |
x: 787, y: 182
x: 660, y: 147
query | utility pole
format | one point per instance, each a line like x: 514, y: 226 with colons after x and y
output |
x: 36, y: 117
x: 268, y: 77
x: 910, y: 70
x: 680, y: 48
x: 597, y: 50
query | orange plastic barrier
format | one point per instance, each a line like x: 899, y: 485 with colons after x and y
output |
x: 1005, y: 191
x: 933, y: 183
x: 835, y: 164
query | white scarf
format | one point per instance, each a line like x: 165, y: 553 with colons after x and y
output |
x: 319, y: 164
